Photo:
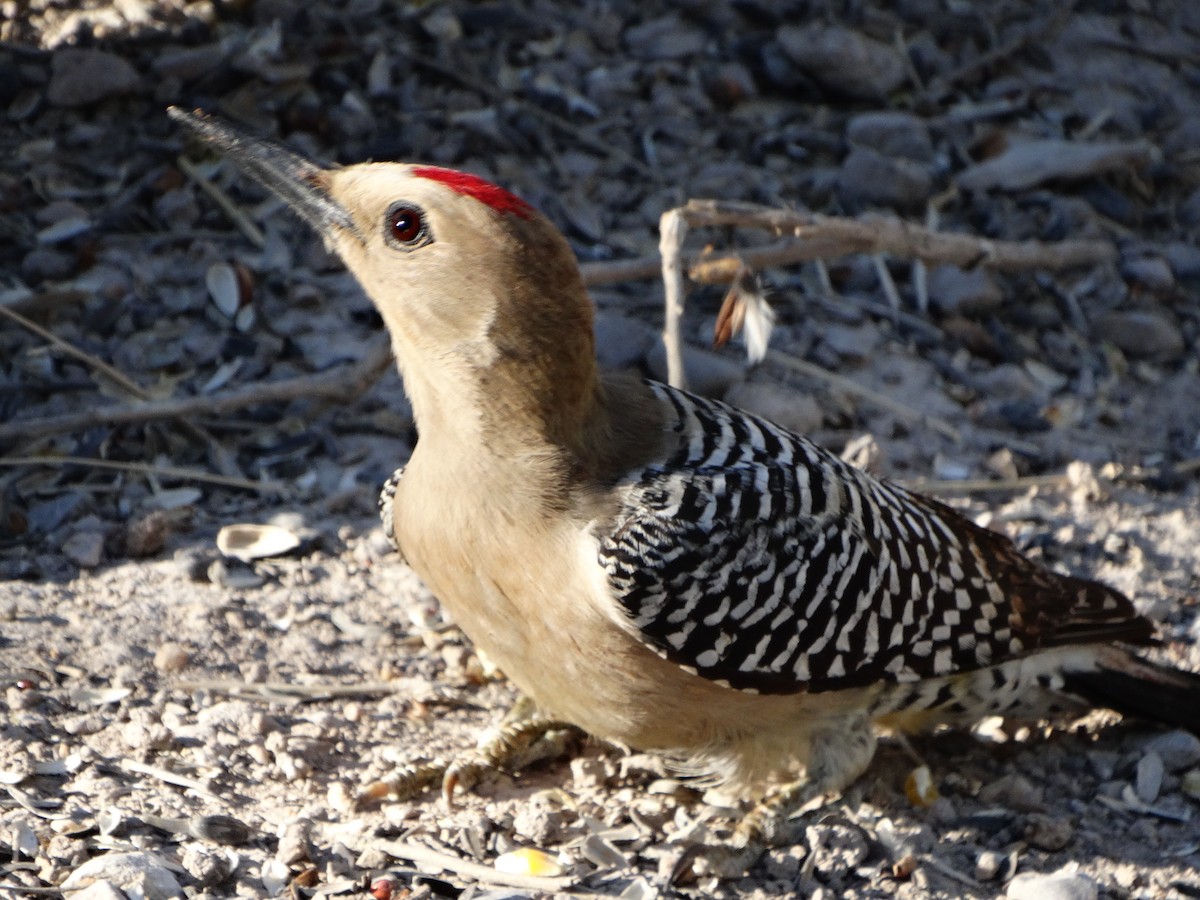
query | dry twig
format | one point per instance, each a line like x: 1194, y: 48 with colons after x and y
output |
x: 252, y: 232
x: 841, y: 382
x: 117, y: 378
x: 172, y: 472
x: 813, y: 237
x: 336, y: 384
x: 673, y: 230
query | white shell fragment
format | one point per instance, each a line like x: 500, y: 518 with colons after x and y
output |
x: 248, y: 541
x: 138, y: 874
x: 222, y: 283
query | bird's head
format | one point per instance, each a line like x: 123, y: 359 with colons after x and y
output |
x: 481, y: 294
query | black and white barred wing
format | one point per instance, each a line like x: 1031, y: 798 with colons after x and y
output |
x: 757, y: 559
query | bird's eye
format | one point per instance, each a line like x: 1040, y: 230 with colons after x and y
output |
x: 405, y: 227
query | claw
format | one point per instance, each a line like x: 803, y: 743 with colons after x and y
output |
x: 407, y: 783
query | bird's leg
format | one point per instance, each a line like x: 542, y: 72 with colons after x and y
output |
x: 524, y: 736
x: 839, y: 754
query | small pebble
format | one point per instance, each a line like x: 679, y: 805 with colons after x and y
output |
x: 1142, y: 335
x: 84, y: 548
x: 1178, y: 749
x: 1149, y: 779
x: 171, y: 657
x: 1047, y: 833
x: 892, y: 133
x: 784, y: 406
x: 987, y: 866
x: 81, y: 77
x: 1058, y: 886
x: 868, y: 178
x: 1190, y: 784
x: 969, y: 292
x: 844, y: 60
x: 1150, y: 272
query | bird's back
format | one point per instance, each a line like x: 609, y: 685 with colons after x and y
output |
x: 758, y: 559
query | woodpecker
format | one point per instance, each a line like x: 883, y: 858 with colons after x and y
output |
x: 665, y: 571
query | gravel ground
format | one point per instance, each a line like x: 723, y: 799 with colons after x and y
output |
x: 177, y: 720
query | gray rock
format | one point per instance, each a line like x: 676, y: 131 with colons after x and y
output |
x: 892, y: 133
x: 47, y: 515
x: 1188, y: 212
x: 843, y: 60
x: 868, y: 178
x: 667, y: 37
x: 1149, y: 778
x: 1152, y: 272
x: 1143, y: 335
x: 784, y: 406
x: 1059, y: 886
x: 1008, y: 381
x: 708, y: 373
x: 622, y: 342
x: 80, y: 77
x: 1048, y: 833
x: 1184, y: 259
x: 1178, y: 749
x: 187, y: 63
x: 852, y: 341
x: 84, y: 548
x: 43, y: 263
x: 1013, y: 792
x: 972, y: 292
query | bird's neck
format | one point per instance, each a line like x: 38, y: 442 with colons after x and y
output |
x: 508, y: 400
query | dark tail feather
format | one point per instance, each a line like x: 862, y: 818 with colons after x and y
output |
x: 1137, y: 687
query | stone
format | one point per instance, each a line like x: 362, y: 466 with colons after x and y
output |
x: 80, y: 77
x: 622, y: 342
x: 868, y: 178
x: 1149, y: 777
x: 1177, y: 749
x: 138, y: 874
x: 892, y: 133
x: 171, y: 657
x: 1048, y: 833
x: 188, y: 63
x: 1150, y: 272
x: 707, y: 373
x: 843, y: 60
x: 1061, y: 885
x: 1188, y: 212
x: 787, y: 407
x: 1184, y: 259
x: 84, y: 548
x: 45, y: 264
x: 1143, y: 335
x: 970, y: 292
x: 667, y: 37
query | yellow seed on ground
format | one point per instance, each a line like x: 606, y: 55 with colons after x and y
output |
x: 528, y: 861
x: 919, y: 787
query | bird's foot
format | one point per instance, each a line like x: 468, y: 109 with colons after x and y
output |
x: 522, y: 738
x: 511, y: 746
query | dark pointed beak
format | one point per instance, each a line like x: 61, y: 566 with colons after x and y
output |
x: 300, y: 183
